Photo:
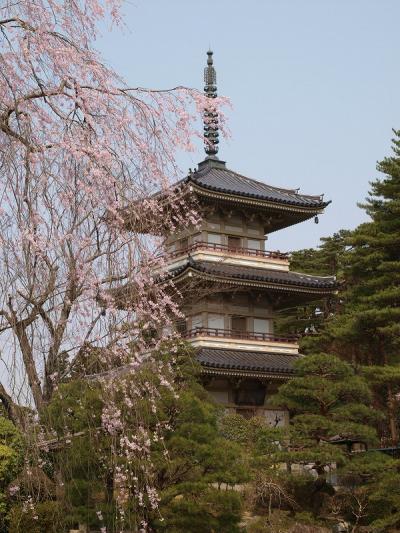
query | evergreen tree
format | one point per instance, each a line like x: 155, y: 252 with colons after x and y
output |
x: 191, y: 466
x: 330, y: 409
x: 369, y: 492
x: 326, y: 260
x: 11, y: 462
x: 367, y: 329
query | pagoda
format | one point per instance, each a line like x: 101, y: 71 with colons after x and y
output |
x: 232, y: 286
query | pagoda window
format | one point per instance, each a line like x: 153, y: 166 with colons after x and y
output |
x: 183, y: 244
x: 171, y: 248
x: 262, y: 325
x: 197, y: 321
x: 213, y: 225
x: 214, y: 238
x: 181, y: 326
x: 234, y: 243
x: 215, y: 321
x: 239, y: 323
x: 254, y: 244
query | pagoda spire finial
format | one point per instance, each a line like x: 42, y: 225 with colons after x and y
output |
x: 210, y: 119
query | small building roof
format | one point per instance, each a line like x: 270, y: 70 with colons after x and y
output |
x: 246, y: 361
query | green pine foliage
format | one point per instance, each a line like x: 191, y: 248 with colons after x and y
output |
x: 11, y: 461
x: 369, y: 493
x: 311, y: 470
x: 199, y: 463
x: 330, y: 409
x: 372, y: 313
x: 367, y: 329
x: 362, y: 324
x: 193, y: 467
x: 326, y: 260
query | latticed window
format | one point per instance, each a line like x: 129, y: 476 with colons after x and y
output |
x: 234, y: 242
x: 181, y: 326
x: 254, y: 244
x: 183, y: 244
x: 213, y: 238
x: 215, y: 320
x: 262, y: 325
x: 239, y: 323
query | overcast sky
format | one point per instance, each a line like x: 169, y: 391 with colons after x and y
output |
x: 314, y: 86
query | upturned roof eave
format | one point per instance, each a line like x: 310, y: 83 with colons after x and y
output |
x: 256, y: 200
x: 186, y: 271
x: 251, y: 199
x: 299, y: 211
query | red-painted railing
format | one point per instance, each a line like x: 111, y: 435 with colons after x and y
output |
x: 226, y: 249
x: 234, y: 334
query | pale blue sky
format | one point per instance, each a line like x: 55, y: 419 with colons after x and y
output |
x: 314, y: 86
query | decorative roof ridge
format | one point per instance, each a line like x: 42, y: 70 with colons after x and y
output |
x: 211, y: 162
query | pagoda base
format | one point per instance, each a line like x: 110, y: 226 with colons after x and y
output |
x: 243, y: 382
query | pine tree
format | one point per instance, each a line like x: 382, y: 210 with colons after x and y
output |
x: 330, y: 409
x: 188, y: 462
x: 326, y: 260
x: 11, y: 462
x: 367, y: 330
x: 369, y: 492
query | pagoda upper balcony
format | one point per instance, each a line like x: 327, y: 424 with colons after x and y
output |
x: 230, y: 339
x: 236, y: 255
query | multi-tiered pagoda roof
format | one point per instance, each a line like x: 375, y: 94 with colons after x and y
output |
x: 229, y: 286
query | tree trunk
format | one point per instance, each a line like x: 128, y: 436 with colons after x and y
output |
x: 393, y: 415
x: 30, y: 368
x: 12, y: 410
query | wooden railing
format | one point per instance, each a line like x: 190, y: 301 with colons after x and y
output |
x: 230, y: 250
x: 235, y: 334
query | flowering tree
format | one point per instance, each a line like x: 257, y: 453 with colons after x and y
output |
x: 76, y: 146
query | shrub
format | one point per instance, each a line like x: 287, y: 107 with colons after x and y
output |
x: 38, y: 518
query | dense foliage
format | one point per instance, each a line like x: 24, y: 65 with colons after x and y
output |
x: 361, y: 325
x: 192, y: 467
x: 11, y: 460
x: 116, y: 440
x: 360, y: 328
